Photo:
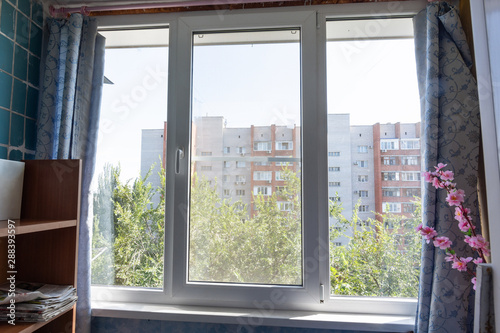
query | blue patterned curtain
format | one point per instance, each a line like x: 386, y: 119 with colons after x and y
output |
x: 451, y: 135
x: 68, y: 117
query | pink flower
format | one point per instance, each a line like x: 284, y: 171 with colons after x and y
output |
x: 463, y: 225
x: 478, y: 242
x: 440, y: 166
x: 437, y: 183
x: 451, y: 257
x: 461, y: 264
x: 455, y: 197
x: 447, y: 175
x: 459, y: 214
x: 474, y: 280
x: 428, y: 233
x: 427, y: 176
x: 442, y: 242
x: 478, y: 260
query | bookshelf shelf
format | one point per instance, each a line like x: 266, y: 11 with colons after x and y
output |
x: 46, y: 236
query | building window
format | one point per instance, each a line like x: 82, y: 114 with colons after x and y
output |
x: 410, y: 176
x: 391, y: 207
x: 334, y: 199
x: 262, y: 146
x: 240, y: 164
x: 280, y: 175
x: 410, y: 160
x: 410, y: 144
x: 241, y: 150
x: 363, y: 178
x: 264, y: 190
x: 333, y: 184
x: 411, y: 192
x: 227, y: 164
x: 392, y: 144
x: 261, y: 163
x: 363, y: 194
x: 362, y: 149
x: 227, y: 192
x: 389, y: 160
x: 240, y: 180
x: 333, y: 153
x: 263, y: 175
x: 284, y: 145
x: 206, y: 153
x: 409, y: 208
x: 363, y: 208
x: 206, y: 168
x: 240, y: 193
x: 334, y: 169
x: 226, y: 178
x: 362, y: 164
x: 285, y: 206
x: 391, y: 192
x: 389, y: 176
x: 227, y: 150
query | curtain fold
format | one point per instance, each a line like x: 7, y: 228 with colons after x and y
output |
x: 68, y: 118
x: 451, y: 135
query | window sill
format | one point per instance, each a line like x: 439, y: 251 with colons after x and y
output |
x: 252, y: 318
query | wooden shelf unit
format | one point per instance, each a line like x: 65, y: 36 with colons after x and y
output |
x: 46, y: 235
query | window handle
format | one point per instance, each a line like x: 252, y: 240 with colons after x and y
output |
x: 179, y: 154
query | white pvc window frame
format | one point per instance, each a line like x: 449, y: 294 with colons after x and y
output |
x: 312, y: 23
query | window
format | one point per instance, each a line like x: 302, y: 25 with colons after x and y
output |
x: 389, y: 160
x: 410, y: 144
x: 362, y: 149
x: 264, y: 190
x: 409, y: 207
x: 410, y: 176
x: 390, y: 192
x: 363, y: 194
x: 391, y: 207
x: 411, y: 192
x: 362, y: 178
x: 388, y: 176
x: 262, y: 146
x: 206, y: 153
x: 362, y: 164
x: 206, y: 168
x: 262, y: 175
x: 410, y: 160
x: 389, y: 144
x: 240, y: 179
x: 284, y: 145
x: 363, y: 208
x: 334, y: 199
x: 223, y: 106
x: 227, y: 164
x: 241, y: 150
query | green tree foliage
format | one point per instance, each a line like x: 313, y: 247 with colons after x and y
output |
x: 382, y: 257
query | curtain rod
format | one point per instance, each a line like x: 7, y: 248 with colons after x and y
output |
x: 87, y: 10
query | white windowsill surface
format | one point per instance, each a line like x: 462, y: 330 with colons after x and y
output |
x: 254, y: 317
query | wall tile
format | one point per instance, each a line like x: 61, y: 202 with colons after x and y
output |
x: 30, y: 134
x: 16, y: 130
x: 20, y: 63
x: 32, y: 102
x: 15, y: 155
x: 4, y: 126
x: 34, y: 70
x: 6, y: 53
x: 8, y: 19
x: 35, y: 40
x: 21, y: 24
x: 5, y: 89
x: 19, y: 97
x: 3, y: 152
x: 24, y: 6
x: 23, y: 30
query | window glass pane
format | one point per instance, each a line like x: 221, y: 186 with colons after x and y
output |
x: 374, y: 126
x: 129, y: 187
x: 246, y: 111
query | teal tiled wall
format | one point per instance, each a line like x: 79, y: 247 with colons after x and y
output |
x: 21, y: 24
